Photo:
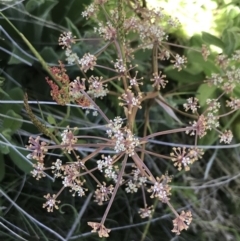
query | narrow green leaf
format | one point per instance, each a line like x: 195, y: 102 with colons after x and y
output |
x: 13, y: 94
x: 34, y: 51
x: 32, y: 5
x: 18, y: 57
x: 19, y: 158
x: 44, y: 12
x: 211, y: 39
x: 72, y: 28
x: 229, y: 39
x: 14, y: 122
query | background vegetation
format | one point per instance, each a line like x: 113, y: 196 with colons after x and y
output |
x: 210, y: 189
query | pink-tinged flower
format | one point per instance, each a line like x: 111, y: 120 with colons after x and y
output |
x: 38, y: 171
x: 161, y: 189
x: 234, y: 104
x: 182, y: 222
x: 179, y: 62
x: 146, y: 212
x: 119, y: 66
x: 205, y: 52
x: 103, y: 193
x: 226, y: 137
x: 159, y: 81
x: 51, y: 202
x: 100, y: 228
x: 134, y: 81
x: 88, y: 61
x: 38, y: 148
x: 96, y: 88
x: 183, y: 157
x: 68, y: 140
x: 198, y: 127
x: 59, y: 94
x: 76, y: 86
x: 130, y: 100
x: 66, y: 39
x: 108, y: 32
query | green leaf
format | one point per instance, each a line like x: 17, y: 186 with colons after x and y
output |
x: 182, y: 76
x: 43, y: 11
x: 18, y: 57
x: 196, y: 40
x: 49, y: 55
x: 209, y: 67
x: 196, y: 59
x: 70, y: 9
x: 51, y: 120
x: 5, y: 94
x: 6, y: 133
x: 212, y: 40
x: 205, y: 92
x: 2, y: 168
x: 233, y: 13
x: 72, y: 28
x: 14, y: 122
x: 230, y: 38
x: 19, y: 158
x: 4, y: 149
x: 195, y: 62
x: 14, y: 94
x: 33, y: 4
x: 6, y: 136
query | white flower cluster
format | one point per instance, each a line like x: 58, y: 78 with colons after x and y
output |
x: 192, y: 104
x: 88, y: 61
x: 108, y: 32
x: 106, y: 162
x: 138, y: 181
x: 118, y: 65
x: 89, y: 11
x: 159, y: 190
x: 57, y: 168
x: 96, y: 87
x: 71, y: 57
x: 124, y: 139
x: 212, y: 118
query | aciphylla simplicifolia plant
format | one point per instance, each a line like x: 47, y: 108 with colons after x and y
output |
x: 126, y: 168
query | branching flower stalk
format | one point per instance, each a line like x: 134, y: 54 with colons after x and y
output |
x: 114, y: 193
x: 131, y: 90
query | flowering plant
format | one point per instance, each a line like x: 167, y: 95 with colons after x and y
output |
x: 124, y: 33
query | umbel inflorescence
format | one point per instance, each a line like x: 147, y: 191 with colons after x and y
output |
x: 116, y: 29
